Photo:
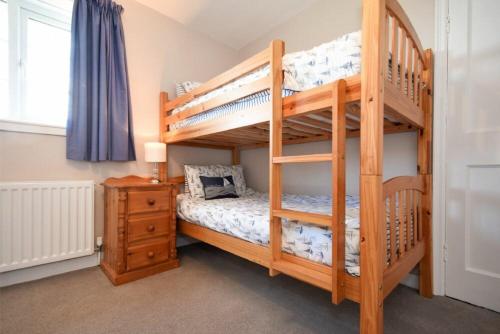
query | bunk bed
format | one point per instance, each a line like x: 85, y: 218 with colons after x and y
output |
x: 391, y: 94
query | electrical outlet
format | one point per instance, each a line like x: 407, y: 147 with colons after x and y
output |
x: 99, y: 241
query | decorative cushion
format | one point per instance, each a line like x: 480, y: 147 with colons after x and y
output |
x: 194, y: 186
x: 218, y: 187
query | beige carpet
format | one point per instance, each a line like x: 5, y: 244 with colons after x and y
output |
x: 215, y: 292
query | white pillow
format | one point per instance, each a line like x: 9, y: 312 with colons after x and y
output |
x: 194, y: 186
x: 190, y: 85
x: 192, y: 174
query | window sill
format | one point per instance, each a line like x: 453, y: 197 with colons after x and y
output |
x: 27, y: 127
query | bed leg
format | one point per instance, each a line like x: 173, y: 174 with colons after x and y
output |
x: 372, y: 211
x: 273, y: 272
x: 425, y: 279
x: 163, y: 173
x: 338, y: 191
x: 235, y: 155
x: 425, y: 169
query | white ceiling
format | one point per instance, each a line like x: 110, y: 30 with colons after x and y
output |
x: 234, y: 23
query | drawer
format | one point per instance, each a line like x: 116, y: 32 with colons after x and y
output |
x: 151, y: 226
x: 148, y: 201
x: 147, y: 254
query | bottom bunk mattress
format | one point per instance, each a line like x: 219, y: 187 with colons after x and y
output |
x: 247, y: 218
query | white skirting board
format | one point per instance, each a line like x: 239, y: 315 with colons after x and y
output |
x: 47, y: 270
x: 411, y: 281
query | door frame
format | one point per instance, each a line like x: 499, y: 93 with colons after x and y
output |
x: 439, y: 144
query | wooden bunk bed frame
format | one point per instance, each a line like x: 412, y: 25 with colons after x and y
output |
x: 395, y: 215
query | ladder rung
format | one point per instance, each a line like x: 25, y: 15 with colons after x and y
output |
x: 305, y: 274
x: 315, y: 218
x: 303, y: 158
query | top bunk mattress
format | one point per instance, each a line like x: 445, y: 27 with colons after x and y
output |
x: 303, y: 70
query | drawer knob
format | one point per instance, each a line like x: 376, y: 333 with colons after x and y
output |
x: 151, y: 201
x: 151, y: 228
x: 151, y: 254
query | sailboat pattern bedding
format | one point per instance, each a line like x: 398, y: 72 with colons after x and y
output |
x: 247, y: 218
x: 303, y: 70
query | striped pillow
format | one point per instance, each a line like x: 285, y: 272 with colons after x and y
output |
x: 179, y: 90
x: 182, y: 88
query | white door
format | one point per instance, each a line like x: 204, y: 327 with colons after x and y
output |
x: 473, y: 153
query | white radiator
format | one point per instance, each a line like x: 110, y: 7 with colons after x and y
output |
x: 42, y: 222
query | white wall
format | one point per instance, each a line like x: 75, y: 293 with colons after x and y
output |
x: 160, y: 52
x: 315, y: 178
x: 324, y: 21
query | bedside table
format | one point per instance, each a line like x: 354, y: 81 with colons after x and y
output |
x: 139, y: 228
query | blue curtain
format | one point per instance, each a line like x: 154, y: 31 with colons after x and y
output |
x: 100, y: 115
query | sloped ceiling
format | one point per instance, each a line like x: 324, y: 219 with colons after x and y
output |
x: 234, y: 23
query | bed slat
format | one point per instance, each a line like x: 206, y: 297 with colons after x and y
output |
x: 395, y: 52
x: 392, y: 236
x: 408, y: 219
x: 402, y: 61
x: 312, y: 122
x: 415, y: 77
x: 410, y: 68
x: 401, y: 209
x: 415, y: 218
x: 304, y: 128
x: 419, y: 220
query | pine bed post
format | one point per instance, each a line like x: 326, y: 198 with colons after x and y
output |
x: 163, y: 169
x: 371, y: 166
x: 425, y: 169
x: 338, y: 190
x: 277, y: 48
x: 235, y: 155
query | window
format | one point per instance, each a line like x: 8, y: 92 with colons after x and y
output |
x: 34, y: 65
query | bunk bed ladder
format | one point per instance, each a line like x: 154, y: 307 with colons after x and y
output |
x: 280, y: 262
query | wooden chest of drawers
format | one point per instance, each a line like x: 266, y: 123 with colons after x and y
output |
x: 139, y: 228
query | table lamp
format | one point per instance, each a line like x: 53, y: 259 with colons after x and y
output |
x: 155, y: 153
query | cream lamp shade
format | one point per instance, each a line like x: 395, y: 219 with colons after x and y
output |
x: 155, y: 152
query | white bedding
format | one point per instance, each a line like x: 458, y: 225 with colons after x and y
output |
x: 247, y: 218
x: 303, y: 70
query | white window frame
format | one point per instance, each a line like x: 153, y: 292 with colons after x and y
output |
x: 53, y: 12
